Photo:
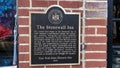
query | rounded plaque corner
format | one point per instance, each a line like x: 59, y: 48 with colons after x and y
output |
x: 54, y: 7
x: 55, y: 15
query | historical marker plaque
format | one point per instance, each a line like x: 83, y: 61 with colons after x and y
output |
x: 54, y: 37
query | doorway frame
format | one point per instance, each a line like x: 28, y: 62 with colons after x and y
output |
x: 109, y: 34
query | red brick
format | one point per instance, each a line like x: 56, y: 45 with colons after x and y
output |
x: 23, y: 39
x: 96, y: 47
x: 37, y: 67
x: 23, y: 48
x: 95, y: 56
x: 67, y: 11
x: 100, y: 0
x: 63, y: 66
x: 95, y: 39
x: 78, y: 11
x: 101, y: 30
x: 96, y: 64
x: 71, y: 4
x: 96, y: 22
x: 96, y: 14
x: 77, y: 66
x: 90, y: 31
x: 23, y: 3
x: 23, y: 12
x: 39, y: 3
x: 26, y: 65
x: 97, y: 5
x: 36, y: 10
x: 23, y: 21
x: 24, y: 57
x: 23, y: 30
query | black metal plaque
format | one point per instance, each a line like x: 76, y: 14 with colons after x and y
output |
x: 54, y: 37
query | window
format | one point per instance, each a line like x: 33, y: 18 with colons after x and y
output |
x: 116, y: 22
x: 114, y: 34
x: 8, y: 33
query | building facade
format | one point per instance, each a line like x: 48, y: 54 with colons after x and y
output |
x: 93, y: 34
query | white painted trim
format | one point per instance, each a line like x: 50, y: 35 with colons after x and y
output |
x: 98, y: 60
x: 97, y: 9
x: 30, y: 4
x: 55, y: 6
x: 23, y: 7
x: 24, y: 44
x: 95, y: 52
x: 24, y: 61
x: 96, y: 44
x: 23, y: 35
x: 95, y: 26
x: 23, y: 25
x: 94, y: 1
x: 96, y: 35
x: 23, y: 16
x: 96, y: 17
x: 58, y: 2
x: 23, y: 52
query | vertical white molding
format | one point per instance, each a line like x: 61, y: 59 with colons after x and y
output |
x: 83, y: 35
x: 44, y: 66
x: 70, y: 66
x: 30, y: 4
x: 15, y: 56
x: 58, y: 2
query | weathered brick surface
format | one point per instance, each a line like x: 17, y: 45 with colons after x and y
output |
x: 24, y: 57
x: 23, y: 12
x: 95, y: 39
x: 101, y: 31
x: 23, y: 30
x: 73, y: 4
x: 76, y: 66
x: 43, y: 3
x: 96, y: 22
x: 64, y: 66
x: 92, y: 14
x: 23, y: 21
x: 23, y: 3
x: 90, y: 31
x: 96, y: 64
x: 96, y: 47
x: 26, y: 65
x: 23, y: 39
x: 97, y: 5
x: 95, y: 56
x: 23, y: 48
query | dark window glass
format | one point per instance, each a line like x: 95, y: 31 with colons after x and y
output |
x: 116, y: 58
x: 116, y: 22
x: 116, y: 8
x: 116, y: 34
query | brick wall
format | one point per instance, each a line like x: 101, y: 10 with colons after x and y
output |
x: 95, y: 29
